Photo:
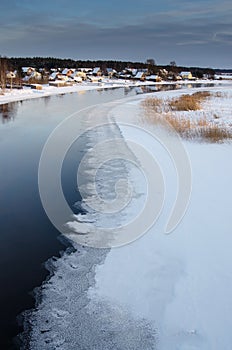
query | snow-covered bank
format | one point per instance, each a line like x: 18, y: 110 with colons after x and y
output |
x: 180, y: 283
x: 28, y: 93
x: 164, y: 292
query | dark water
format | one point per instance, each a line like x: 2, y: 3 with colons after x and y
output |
x: 27, y: 237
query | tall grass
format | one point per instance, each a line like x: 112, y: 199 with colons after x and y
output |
x: 215, y: 133
x: 167, y: 113
x: 154, y: 104
x: 188, y: 102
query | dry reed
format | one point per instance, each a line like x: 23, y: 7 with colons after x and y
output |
x: 166, y: 113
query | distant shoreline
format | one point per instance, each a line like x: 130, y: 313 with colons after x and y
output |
x: 28, y: 93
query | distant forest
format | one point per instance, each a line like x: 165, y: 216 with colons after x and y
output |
x: 51, y: 62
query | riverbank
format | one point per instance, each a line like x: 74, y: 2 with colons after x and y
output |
x: 28, y: 93
x: 179, y: 282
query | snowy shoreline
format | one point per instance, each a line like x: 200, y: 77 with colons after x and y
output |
x: 179, y: 282
x: 27, y: 93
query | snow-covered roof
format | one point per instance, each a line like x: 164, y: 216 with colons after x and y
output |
x: 93, y: 78
x: 134, y: 72
x: 61, y: 77
x: 110, y: 70
x: 152, y: 77
x: 96, y: 70
x: 66, y: 70
x: 77, y: 79
x: 185, y: 73
x: 139, y: 75
x: 25, y: 69
x: 85, y: 69
x: 53, y: 75
x: 35, y: 74
x: 125, y: 76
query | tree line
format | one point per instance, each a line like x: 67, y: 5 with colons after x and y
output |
x: 52, y: 62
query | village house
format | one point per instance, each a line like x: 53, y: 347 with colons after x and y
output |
x: 28, y: 70
x: 80, y: 74
x: 110, y: 72
x: 140, y: 76
x: 76, y: 77
x: 186, y: 75
x: 93, y: 78
x: 131, y: 71
x: 97, y: 71
x: 173, y: 76
x: 62, y: 77
x: 85, y: 70
x: 154, y: 77
x: 11, y: 75
x: 68, y: 72
x: 53, y: 76
x: 123, y: 75
x: 33, y: 76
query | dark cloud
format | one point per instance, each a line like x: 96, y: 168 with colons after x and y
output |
x: 191, y: 34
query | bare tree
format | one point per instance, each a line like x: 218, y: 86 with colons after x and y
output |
x: 3, y: 71
x: 150, y: 62
x: 151, y: 66
x: 173, y: 63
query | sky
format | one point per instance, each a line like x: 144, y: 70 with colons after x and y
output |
x: 191, y: 33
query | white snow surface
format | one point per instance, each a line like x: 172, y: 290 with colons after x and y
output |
x: 164, y: 292
x: 181, y: 283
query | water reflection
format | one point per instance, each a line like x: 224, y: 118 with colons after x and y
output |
x: 8, y: 112
x: 47, y: 100
x: 168, y: 87
x: 81, y: 92
x: 156, y: 88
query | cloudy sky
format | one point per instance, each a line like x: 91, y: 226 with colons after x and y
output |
x: 190, y: 32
